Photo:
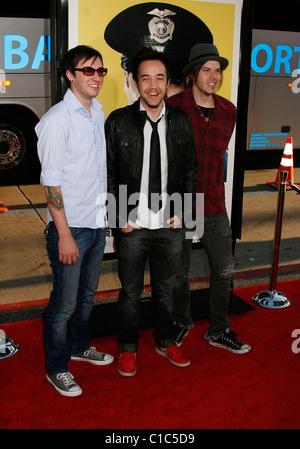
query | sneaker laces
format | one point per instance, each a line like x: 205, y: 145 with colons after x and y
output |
x: 66, y: 378
x: 94, y: 353
x: 231, y: 338
x: 127, y: 360
x: 128, y: 356
x: 174, y: 350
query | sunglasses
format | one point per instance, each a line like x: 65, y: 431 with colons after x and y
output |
x: 89, y: 71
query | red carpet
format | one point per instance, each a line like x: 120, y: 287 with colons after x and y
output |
x: 220, y: 390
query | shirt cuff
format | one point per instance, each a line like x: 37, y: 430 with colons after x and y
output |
x: 51, y: 177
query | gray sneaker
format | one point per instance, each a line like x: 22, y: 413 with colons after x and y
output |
x: 65, y: 384
x: 94, y: 357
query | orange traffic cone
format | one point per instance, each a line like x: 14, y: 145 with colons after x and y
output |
x: 3, y: 208
x: 286, y: 164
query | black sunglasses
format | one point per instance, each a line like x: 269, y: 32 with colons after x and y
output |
x: 89, y: 71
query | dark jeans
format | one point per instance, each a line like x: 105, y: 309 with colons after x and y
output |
x: 71, y: 300
x: 163, y: 247
x: 181, y: 295
x: 216, y: 241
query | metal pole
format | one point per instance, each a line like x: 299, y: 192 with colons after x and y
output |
x: 271, y: 298
x: 278, y: 227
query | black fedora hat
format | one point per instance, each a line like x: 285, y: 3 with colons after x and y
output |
x: 163, y: 27
x: 203, y: 52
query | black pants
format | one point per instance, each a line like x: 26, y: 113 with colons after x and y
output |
x: 216, y: 241
x: 163, y: 247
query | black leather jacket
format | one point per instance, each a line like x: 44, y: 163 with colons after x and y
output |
x: 125, y: 143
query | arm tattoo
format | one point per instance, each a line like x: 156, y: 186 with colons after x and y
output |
x: 54, y: 198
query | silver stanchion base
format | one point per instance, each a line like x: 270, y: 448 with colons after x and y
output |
x: 7, y: 347
x: 271, y: 299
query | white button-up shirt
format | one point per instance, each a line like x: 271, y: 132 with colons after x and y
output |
x: 146, y: 218
x: 72, y: 152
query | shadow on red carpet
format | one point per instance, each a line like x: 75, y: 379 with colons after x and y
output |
x: 219, y: 390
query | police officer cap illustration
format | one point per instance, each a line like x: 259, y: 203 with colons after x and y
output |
x: 162, y: 26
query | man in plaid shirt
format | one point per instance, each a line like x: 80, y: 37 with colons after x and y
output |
x: 213, y: 120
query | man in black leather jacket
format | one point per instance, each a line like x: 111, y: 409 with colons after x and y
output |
x: 140, y: 232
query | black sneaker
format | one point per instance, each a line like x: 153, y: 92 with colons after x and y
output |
x: 180, y: 332
x: 65, y: 384
x: 229, y: 341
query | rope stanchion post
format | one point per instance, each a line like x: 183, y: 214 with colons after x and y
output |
x: 272, y: 299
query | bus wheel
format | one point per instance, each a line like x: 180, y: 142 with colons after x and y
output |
x: 12, y: 146
x: 19, y: 162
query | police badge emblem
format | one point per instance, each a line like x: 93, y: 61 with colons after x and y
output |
x: 161, y: 27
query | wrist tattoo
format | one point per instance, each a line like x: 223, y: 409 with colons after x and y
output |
x: 54, y: 198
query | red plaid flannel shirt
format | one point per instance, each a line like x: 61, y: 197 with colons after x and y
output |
x: 211, y: 141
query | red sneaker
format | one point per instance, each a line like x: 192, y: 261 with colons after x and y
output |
x: 127, y: 364
x: 175, y: 355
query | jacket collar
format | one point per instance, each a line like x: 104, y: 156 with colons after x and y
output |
x: 142, y: 113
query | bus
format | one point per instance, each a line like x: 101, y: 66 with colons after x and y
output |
x: 28, y: 84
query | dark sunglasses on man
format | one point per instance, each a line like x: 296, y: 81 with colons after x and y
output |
x: 89, y: 71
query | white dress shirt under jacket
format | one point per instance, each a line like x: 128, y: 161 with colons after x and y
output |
x: 146, y: 218
x: 72, y: 152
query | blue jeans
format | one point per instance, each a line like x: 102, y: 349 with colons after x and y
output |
x: 71, y: 299
x: 217, y: 244
x: 163, y: 247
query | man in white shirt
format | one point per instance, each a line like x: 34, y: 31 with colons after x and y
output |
x: 146, y: 232
x: 72, y: 152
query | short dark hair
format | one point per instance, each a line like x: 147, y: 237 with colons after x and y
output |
x: 148, y: 54
x: 74, y: 55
